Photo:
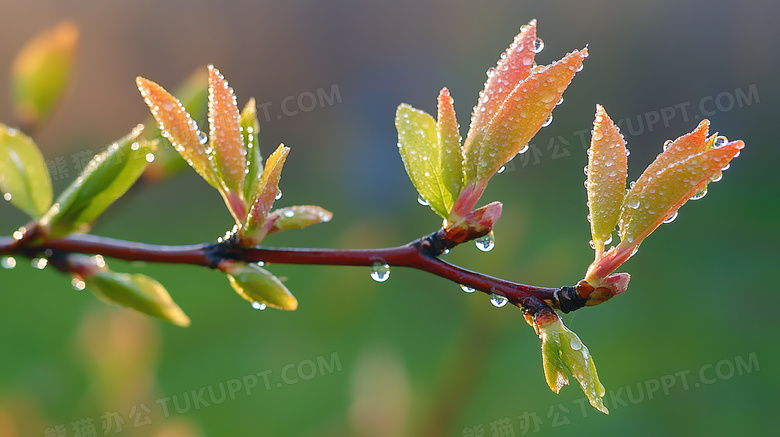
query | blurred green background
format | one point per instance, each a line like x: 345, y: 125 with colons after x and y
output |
x: 690, y: 349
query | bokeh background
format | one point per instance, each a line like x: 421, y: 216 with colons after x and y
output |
x: 413, y: 355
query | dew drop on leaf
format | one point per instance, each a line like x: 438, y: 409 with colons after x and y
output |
x: 497, y: 300
x: 538, y: 45
x: 700, y: 194
x: 575, y: 344
x: 560, y: 101
x: 548, y: 121
x: 380, y: 271
x: 720, y: 141
x: 608, y: 240
x: 467, y: 289
x: 502, y: 169
x: 7, y: 196
x: 670, y: 218
x: 288, y: 213
x: 278, y: 194
x: 485, y: 243
x: 667, y: 143
x: 633, y: 202
x: 8, y: 262
x: 259, y: 305
x: 523, y: 150
x: 202, y: 138
x: 422, y: 201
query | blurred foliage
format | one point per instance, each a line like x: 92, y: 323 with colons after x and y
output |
x: 445, y: 362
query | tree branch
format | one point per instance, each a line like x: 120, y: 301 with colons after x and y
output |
x: 421, y: 254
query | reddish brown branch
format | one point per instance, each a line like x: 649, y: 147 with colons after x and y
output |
x: 421, y: 254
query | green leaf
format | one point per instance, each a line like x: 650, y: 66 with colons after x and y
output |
x: 41, y: 71
x: 418, y: 144
x: 264, y: 194
x: 138, y: 292
x: 298, y: 217
x: 250, y: 130
x: 258, y: 285
x: 106, y: 178
x: 563, y: 349
x: 23, y: 175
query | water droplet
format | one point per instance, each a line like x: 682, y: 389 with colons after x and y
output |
x: 585, y: 170
x: 559, y: 101
x: 699, y: 195
x: 259, y: 306
x: 8, y: 262
x: 497, y: 300
x: 608, y: 240
x: 261, y: 263
x: 579, y: 68
x: 490, y: 72
x: 628, y: 152
x: 523, y: 150
x: 278, y: 194
x: 467, y: 289
x: 7, y: 196
x: 670, y: 218
x: 422, y: 201
x: 667, y: 143
x: 502, y: 169
x: 548, y: 121
x: 40, y: 263
x: 720, y: 141
x: 633, y: 202
x: 288, y: 213
x: 150, y: 157
x: 575, y: 344
x: 18, y: 235
x: 486, y: 243
x: 78, y: 284
x: 202, y: 138
x: 538, y: 45
x: 446, y: 251
x: 717, y: 177
x: 380, y: 271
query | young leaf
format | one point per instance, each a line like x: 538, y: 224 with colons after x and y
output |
x: 264, y: 195
x: 106, y: 178
x: 250, y: 130
x: 180, y: 129
x: 138, y: 292
x: 450, y: 154
x: 563, y: 349
x: 298, y: 217
x: 607, y: 170
x: 193, y: 94
x: 258, y: 285
x: 225, y: 135
x: 41, y: 71
x: 418, y: 144
x: 23, y: 175
x: 492, y: 143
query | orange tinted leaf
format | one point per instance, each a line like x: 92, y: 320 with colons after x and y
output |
x: 663, y: 192
x: 513, y: 67
x: 264, y: 196
x: 607, y: 167
x: 225, y: 134
x: 678, y: 150
x: 450, y: 154
x: 180, y: 129
x: 521, y: 115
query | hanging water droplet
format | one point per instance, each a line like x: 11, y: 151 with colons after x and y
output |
x: 667, y: 143
x: 608, y: 240
x: 502, y: 169
x: 467, y: 289
x: 260, y: 263
x: 523, y: 150
x: 592, y: 244
x: 202, y: 138
x: 7, y: 196
x: 446, y: 251
x: 579, y: 68
x: 720, y: 141
x: 636, y: 249
x: 538, y: 45
x: 548, y: 121
x: 40, y: 263
x: 559, y: 101
x: 380, y: 271
x: 497, y: 300
x: 278, y: 194
x: 585, y: 170
x: 8, y: 262
x: 670, y: 218
x: 490, y: 72
x: 78, y: 284
x: 628, y: 152
x: 486, y: 243
x: 575, y: 344
x: 699, y: 195
x: 717, y: 177
x: 259, y: 306
x: 422, y: 201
